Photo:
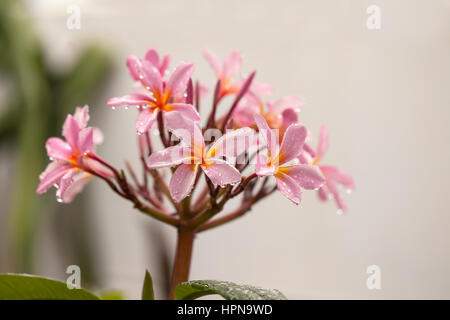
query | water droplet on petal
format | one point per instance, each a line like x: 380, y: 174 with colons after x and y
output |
x: 340, y: 212
x: 348, y: 191
x: 58, y: 199
x: 141, y: 76
x: 126, y: 108
x: 114, y: 108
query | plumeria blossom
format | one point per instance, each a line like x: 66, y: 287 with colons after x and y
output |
x: 68, y: 171
x: 332, y: 175
x: 193, y: 154
x: 228, y: 70
x: 159, y: 95
x: 291, y: 178
x: 278, y: 114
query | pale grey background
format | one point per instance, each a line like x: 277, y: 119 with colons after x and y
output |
x: 383, y: 94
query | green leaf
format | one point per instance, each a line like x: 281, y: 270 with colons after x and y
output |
x: 28, y: 287
x: 112, y: 295
x: 230, y: 291
x: 147, y: 288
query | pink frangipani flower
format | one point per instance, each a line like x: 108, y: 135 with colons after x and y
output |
x: 193, y: 154
x: 70, y: 164
x: 228, y: 70
x: 158, y: 96
x: 291, y: 178
x: 332, y: 174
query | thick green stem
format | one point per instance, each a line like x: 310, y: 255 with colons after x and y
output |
x: 183, y: 257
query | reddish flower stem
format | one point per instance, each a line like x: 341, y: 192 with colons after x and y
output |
x: 183, y: 256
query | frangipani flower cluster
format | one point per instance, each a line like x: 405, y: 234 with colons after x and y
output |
x: 263, y: 147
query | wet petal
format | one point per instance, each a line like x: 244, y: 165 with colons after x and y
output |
x: 169, y: 157
x: 186, y: 130
x: 337, y: 197
x: 340, y: 177
x: 221, y: 173
x: 71, y: 131
x: 82, y: 116
x: 308, y: 177
x: 232, y: 144
x: 186, y: 110
x: 86, y: 140
x: 65, y: 182
x: 182, y: 181
x: 262, y: 169
x: 135, y: 99
x: 145, y: 120
x: 289, y: 188
x: 179, y: 78
x: 292, y: 144
x: 146, y: 73
x: 77, y: 185
x: 270, y: 137
x: 58, y: 149
x: 51, y: 178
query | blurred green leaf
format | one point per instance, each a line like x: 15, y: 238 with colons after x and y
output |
x: 230, y: 291
x: 112, y: 295
x: 147, y: 288
x: 27, y: 287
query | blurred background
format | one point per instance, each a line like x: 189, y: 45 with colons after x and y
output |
x: 384, y: 95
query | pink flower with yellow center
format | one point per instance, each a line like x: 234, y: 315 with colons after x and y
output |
x: 157, y: 95
x: 193, y: 154
x: 68, y: 171
x: 228, y: 70
x: 291, y: 178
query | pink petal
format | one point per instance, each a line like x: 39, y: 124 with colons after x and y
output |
x: 82, y: 116
x: 221, y: 173
x: 232, y: 64
x: 86, y: 140
x: 308, y: 177
x: 97, y: 167
x: 135, y: 99
x: 186, y: 110
x: 323, y: 193
x: 179, y: 78
x: 337, y: 197
x: 51, y: 178
x: 289, y: 116
x: 232, y: 144
x: 58, y: 149
x: 146, y: 73
x: 65, y: 182
x: 152, y: 56
x: 98, y: 136
x: 169, y: 157
x: 145, y: 119
x: 323, y: 142
x: 78, y: 183
x: 340, y: 177
x: 71, y: 131
x: 261, y: 168
x: 288, y: 187
x: 271, y: 139
x: 182, y: 181
x: 292, y: 144
x: 186, y: 130
x: 164, y: 64
x: 213, y: 61
x: 288, y: 102
x: 261, y: 88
